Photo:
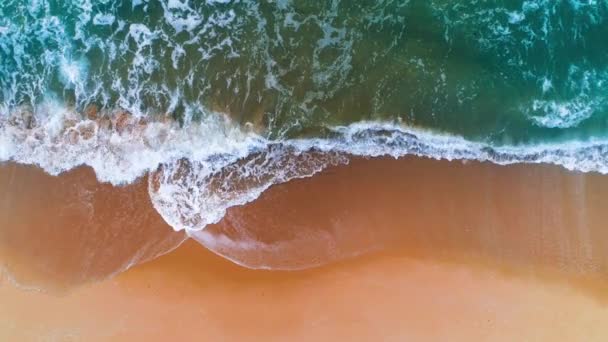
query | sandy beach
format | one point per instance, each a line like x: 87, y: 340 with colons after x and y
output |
x: 416, y: 249
x: 180, y: 170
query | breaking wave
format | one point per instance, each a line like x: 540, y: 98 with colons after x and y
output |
x: 141, y: 87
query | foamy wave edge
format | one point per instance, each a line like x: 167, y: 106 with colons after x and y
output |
x: 200, y: 169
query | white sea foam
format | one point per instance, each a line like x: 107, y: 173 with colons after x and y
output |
x: 588, y: 99
x: 556, y: 114
x: 202, y: 169
x: 103, y: 19
x: 62, y: 141
x: 181, y: 16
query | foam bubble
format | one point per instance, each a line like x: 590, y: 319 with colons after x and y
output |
x: 73, y: 73
x: 181, y: 16
x: 6, y: 148
x: 516, y: 17
x: 103, y: 19
x: 141, y: 34
x: 556, y: 114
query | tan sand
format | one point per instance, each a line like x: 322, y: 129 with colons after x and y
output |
x: 471, y: 252
x: 191, y: 295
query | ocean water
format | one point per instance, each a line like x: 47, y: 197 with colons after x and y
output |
x: 220, y: 100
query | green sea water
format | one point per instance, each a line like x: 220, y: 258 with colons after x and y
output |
x: 499, y: 72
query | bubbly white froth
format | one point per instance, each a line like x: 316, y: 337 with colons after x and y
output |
x: 62, y: 141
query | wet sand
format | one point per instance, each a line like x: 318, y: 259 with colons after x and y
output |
x: 434, y: 251
x: 61, y: 232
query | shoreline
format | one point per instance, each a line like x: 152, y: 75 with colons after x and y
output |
x: 520, y: 215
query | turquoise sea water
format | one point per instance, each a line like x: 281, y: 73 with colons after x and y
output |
x: 226, y: 98
x: 492, y: 71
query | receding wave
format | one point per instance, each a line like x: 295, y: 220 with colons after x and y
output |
x: 68, y: 230
x: 200, y: 170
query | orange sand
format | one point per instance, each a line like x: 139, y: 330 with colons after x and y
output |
x: 191, y: 295
x: 470, y: 252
